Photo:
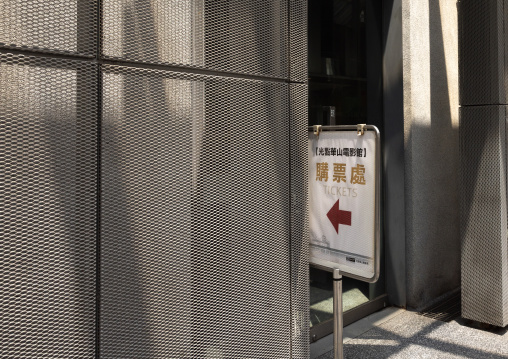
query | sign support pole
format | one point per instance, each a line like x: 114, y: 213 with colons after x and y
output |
x: 338, y: 318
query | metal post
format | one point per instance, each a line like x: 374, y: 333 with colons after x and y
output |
x: 338, y: 350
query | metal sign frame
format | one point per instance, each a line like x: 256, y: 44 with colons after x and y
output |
x: 338, y: 315
x: 331, y: 266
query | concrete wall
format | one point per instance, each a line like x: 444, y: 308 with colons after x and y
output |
x: 430, y: 81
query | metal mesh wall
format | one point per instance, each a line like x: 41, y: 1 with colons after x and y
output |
x: 156, y: 31
x: 236, y: 36
x: 484, y: 214
x: 195, y: 257
x: 64, y: 26
x: 298, y: 41
x: 48, y: 110
x: 299, y: 220
x: 482, y: 52
x: 199, y: 229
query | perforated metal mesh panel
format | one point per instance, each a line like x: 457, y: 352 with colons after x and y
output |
x: 195, y: 239
x: 156, y: 31
x: 482, y: 52
x: 247, y: 37
x: 67, y: 26
x: 299, y: 221
x: 298, y: 41
x: 484, y: 214
x: 236, y: 36
x: 200, y: 220
x: 48, y: 137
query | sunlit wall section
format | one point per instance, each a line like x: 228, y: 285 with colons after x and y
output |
x: 155, y: 31
x: 147, y: 186
x: 431, y: 143
x: 195, y: 199
x: 248, y: 37
x: 63, y: 26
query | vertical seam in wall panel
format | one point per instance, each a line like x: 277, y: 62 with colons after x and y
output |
x: 99, y: 164
x: 98, y: 214
x: 288, y: 41
x: 504, y: 54
x: 288, y: 52
x: 500, y: 50
x: 502, y: 97
x: 504, y: 198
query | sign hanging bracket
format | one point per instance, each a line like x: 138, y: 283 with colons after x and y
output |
x: 360, y: 129
x: 317, y: 129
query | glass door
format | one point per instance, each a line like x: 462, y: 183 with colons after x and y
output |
x: 345, y: 88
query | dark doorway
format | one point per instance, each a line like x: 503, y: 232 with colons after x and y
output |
x: 345, y: 88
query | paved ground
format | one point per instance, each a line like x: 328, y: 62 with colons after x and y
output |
x: 395, y: 333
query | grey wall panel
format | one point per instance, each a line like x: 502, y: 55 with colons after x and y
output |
x: 482, y: 78
x: 236, y: 36
x: 195, y: 236
x: 48, y: 110
x: 484, y: 214
x: 298, y: 70
x: 62, y: 26
x: 299, y: 221
x: 431, y: 151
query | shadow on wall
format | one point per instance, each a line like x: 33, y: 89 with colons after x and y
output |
x: 191, y: 207
x: 432, y: 171
x: 48, y: 187
x: 128, y: 172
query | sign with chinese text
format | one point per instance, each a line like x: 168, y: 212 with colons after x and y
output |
x: 343, y: 201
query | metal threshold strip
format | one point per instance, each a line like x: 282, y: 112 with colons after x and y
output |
x: 445, y: 310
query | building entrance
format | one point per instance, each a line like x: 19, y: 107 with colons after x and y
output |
x: 345, y: 88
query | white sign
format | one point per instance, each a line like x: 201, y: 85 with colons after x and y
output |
x: 343, y: 208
